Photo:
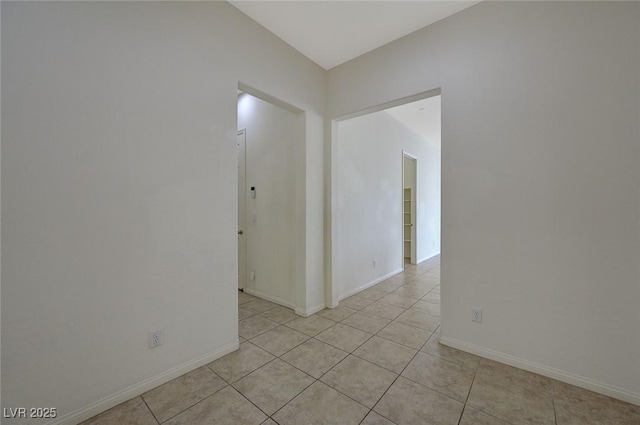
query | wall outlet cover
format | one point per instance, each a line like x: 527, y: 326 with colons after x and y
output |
x: 476, y: 315
x: 155, y: 338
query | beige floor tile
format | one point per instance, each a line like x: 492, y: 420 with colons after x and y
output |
x: 383, y: 310
x: 514, y: 404
x: 423, y: 285
x: 337, y: 314
x: 432, y: 297
x: 451, y: 379
x: 226, y: 407
x: 427, y: 307
x: 411, y: 275
x: 476, y: 417
x: 576, y: 406
x: 429, y: 276
x: 279, y: 340
x: 409, y: 403
x: 175, y: 396
x: 356, y: 302
x: 500, y: 394
x: 362, y: 381
x: 314, y: 357
x: 311, y: 325
x: 366, y: 322
x: 245, y: 360
x: 418, y: 319
x: 280, y: 314
x: 389, y: 285
x: 243, y: 313
x: 410, y: 292
x: 425, y: 266
x: 435, y: 270
x: 259, y: 305
x: 398, y: 300
x: 385, y: 353
x: 273, y: 385
x: 254, y: 326
x: 405, y: 335
x: 344, y: 337
x: 372, y: 293
x: 507, y: 376
x: 434, y: 348
x: 321, y: 404
x: 245, y: 298
x: 132, y: 412
x: 374, y: 419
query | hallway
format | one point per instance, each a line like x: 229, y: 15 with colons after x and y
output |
x: 374, y: 360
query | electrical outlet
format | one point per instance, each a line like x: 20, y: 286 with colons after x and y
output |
x: 476, y: 315
x: 374, y: 264
x: 252, y: 275
x: 155, y: 338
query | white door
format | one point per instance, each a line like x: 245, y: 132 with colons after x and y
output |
x: 242, y: 201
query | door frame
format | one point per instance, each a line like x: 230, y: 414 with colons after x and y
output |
x: 332, y: 289
x: 414, y: 209
x: 242, y: 215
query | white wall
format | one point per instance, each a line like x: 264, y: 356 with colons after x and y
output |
x: 368, y: 194
x: 540, y: 177
x: 119, y: 191
x: 272, y: 134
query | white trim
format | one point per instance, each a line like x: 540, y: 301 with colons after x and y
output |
x: 429, y: 257
x: 142, y: 387
x: 245, y: 88
x: 311, y: 310
x: 334, y: 305
x: 269, y: 298
x: 370, y: 284
x: 550, y: 372
x: 389, y: 105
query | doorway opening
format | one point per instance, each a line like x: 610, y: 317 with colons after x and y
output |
x: 268, y: 140
x: 409, y: 190
x: 376, y: 219
x: 241, y: 145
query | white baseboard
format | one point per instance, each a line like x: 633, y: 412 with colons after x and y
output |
x: 311, y: 310
x: 89, y: 411
x: 334, y: 305
x: 269, y: 298
x: 428, y: 257
x: 549, y: 372
x: 370, y: 284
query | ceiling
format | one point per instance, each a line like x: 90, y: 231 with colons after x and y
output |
x: 422, y: 117
x: 333, y: 32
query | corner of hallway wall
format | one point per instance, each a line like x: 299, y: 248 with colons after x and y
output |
x: 118, y: 189
x: 540, y: 170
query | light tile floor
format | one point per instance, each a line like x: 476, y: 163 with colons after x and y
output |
x: 374, y: 360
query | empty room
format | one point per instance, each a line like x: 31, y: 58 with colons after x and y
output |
x: 211, y: 215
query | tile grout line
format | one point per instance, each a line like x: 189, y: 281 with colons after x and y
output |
x: 270, y: 361
x: 399, y: 375
x: 150, y: 411
x: 343, y: 359
x: 464, y: 406
x: 351, y: 353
